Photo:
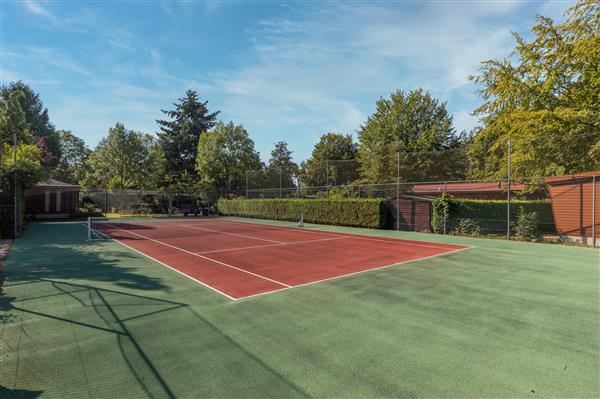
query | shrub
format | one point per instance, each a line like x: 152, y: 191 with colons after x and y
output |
x: 468, y: 227
x: 443, y: 209
x: 526, y: 226
x: 370, y: 213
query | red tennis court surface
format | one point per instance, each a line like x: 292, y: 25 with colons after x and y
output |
x: 239, y: 259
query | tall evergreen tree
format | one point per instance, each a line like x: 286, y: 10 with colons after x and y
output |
x: 179, y: 136
x: 281, y: 168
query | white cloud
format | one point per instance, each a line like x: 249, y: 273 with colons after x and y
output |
x: 37, y: 9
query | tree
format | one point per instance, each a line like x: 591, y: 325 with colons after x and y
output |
x: 36, y: 116
x: 224, y: 155
x: 281, y: 168
x: 318, y: 171
x: 72, y: 166
x: 545, y: 96
x: 417, y: 126
x: 20, y: 164
x: 123, y: 159
x: 179, y: 136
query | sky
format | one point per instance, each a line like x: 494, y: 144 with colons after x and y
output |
x: 285, y: 70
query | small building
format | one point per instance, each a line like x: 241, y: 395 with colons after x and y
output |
x: 477, y: 190
x: 410, y: 213
x: 576, y: 205
x: 51, y: 199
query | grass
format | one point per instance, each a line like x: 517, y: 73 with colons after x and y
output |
x: 504, y: 319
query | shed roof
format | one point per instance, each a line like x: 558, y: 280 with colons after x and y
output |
x: 53, y: 183
x: 497, y: 186
x: 567, y: 178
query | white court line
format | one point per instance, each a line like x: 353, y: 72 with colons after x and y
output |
x: 231, y: 234
x: 164, y: 264
x: 200, y: 256
x: 353, y: 273
x: 400, y: 241
x: 271, y: 245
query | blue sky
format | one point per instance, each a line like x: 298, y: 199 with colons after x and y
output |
x: 285, y: 70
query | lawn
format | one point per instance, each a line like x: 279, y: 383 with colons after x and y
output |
x: 503, y: 319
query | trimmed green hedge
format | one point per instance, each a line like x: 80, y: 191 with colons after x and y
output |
x: 491, y: 214
x: 356, y: 212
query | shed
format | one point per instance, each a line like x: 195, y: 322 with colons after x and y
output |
x: 413, y: 213
x: 576, y: 204
x: 52, y: 199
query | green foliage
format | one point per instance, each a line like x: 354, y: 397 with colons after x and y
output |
x: 333, y: 147
x: 36, y: 117
x: 370, y: 213
x: 409, y: 122
x: 468, y: 227
x: 179, y: 136
x: 526, y: 226
x: 123, y: 159
x: 490, y: 215
x: 72, y: 166
x: 281, y: 169
x: 443, y: 210
x: 545, y: 96
x: 224, y: 155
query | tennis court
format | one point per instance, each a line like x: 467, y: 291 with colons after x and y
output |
x: 241, y: 260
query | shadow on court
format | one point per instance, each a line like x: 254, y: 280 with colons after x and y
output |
x: 76, y: 338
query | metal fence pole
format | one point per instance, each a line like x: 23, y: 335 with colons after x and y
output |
x: 445, y: 216
x: 280, y: 182
x: 15, y: 184
x: 397, y: 190
x: 594, y: 211
x: 246, y: 184
x: 327, y: 176
x: 508, y: 196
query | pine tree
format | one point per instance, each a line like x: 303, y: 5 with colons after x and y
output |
x: 179, y: 136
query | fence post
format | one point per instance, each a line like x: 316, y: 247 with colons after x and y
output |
x: 280, y: 182
x: 106, y: 201
x: 327, y: 176
x: 246, y: 184
x: 508, y: 196
x: 594, y: 211
x: 445, y: 216
x: 398, y: 191
x: 15, y: 184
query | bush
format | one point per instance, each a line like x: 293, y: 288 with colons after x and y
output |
x: 443, y: 209
x: 489, y: 214
x: 370, y: 213
x: 468, y: 227
x: 526, y: 226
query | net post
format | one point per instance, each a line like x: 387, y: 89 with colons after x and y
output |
x: 301, y: 222
x: 89, y: 228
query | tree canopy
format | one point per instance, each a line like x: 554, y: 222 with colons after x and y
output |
x: 417, y: 126
x: 179, y: 136
x: 545, y: 96
x: 73, y: 163
x: 317, y: 171
x: 224, y: 155
x: 281, y: 167
x: 123, y: 159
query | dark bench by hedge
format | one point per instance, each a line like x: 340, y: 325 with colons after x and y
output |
x: 356, y: 212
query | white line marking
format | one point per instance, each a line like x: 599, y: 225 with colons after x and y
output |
x: 164, y: 264
x: 401, y: 241
x: 231, y: 234
x: 353, y: 273
x: 200, y: 256
x: 271, y: 245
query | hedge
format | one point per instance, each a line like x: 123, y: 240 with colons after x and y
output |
x: 491, y: 214
x: 356, y: 212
